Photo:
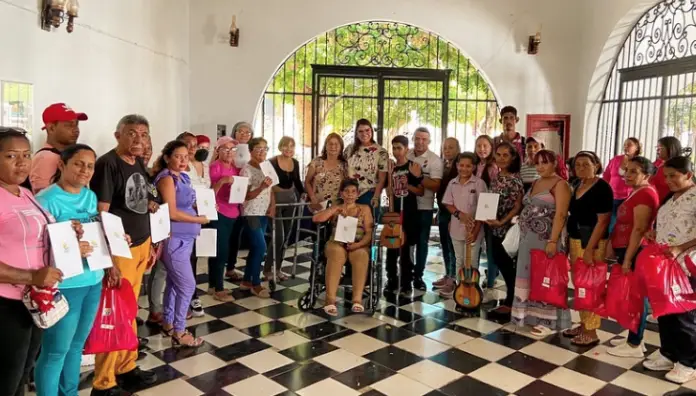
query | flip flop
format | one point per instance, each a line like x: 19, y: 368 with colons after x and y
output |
x: 331, y: 310
x: 572, y: 333
x: 357, y: 308
x: 541, y: 331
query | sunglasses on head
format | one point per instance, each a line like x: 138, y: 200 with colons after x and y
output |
x: 4, y: 129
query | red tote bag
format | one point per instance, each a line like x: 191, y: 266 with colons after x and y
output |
x: 624, y: 301
x: 590, y: 283
x: 666, y: 284
x: 113, y: 326
x: 549, y: 278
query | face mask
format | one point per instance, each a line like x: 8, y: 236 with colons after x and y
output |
x: 201, y: 155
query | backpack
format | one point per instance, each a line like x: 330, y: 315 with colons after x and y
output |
x: 27, y: 183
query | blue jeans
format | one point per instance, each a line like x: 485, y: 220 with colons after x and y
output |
x: 425, y: 221
x: 255, y: 231
x: 58, y: 368
x: 491, y: 267
x: 443, y: 220
x: 216, y: 265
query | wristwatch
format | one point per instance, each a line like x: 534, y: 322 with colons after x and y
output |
x: 456, y: 214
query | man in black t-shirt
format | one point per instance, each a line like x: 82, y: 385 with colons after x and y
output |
x: 406, y: 181
x: 122, y: 187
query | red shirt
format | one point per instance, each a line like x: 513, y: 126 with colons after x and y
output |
x: 660, y: 182
x: 624, y: 217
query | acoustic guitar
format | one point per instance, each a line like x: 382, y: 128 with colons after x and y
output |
x: 392, y: 236
x: 468, y: 294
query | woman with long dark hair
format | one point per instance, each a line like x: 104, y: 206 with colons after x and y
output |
x: 367, y: 163
x: 325, y: 173
x: 667, y: 147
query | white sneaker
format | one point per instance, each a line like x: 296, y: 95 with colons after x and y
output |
x: 621, y: 341
x: 681, y: 374
x: 197, y: 308
x: 87, y: 360
x: 651, y: 319
x: 658, y: 363
x: 489, y: 295
x: 627, y: 351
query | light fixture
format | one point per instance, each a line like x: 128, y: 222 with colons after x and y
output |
x: 534, y: 41
x: 73, y: 10
x: 234, y: 32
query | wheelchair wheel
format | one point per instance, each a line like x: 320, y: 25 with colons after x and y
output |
x: 304, y: 303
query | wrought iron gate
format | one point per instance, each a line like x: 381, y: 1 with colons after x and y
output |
x: 391, y: 98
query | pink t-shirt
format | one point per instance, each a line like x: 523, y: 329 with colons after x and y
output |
x: 464, y: 197
x: 22, y: 238
x: 218, y: 170
x: 615, y: 179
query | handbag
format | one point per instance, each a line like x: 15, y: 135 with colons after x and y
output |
x: 46, y: 305
x: 549, y: 278
x: 392, y: 236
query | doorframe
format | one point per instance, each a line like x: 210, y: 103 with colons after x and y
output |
x: 380, y: 74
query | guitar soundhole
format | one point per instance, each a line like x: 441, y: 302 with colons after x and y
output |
x: 467, y: 301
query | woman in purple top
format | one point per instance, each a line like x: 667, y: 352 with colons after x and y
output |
x: 222, y: 172
x: 175, y: 187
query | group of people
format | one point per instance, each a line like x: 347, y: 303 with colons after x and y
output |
x: 596, y: 218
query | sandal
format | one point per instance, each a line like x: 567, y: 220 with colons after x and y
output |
x: 186, y: 340
x: 282, y: 276
x: 234, y: 275
x: 261, y: 292
x: 583, y: 339
x: 540, y: 331
x: 331, y: 310
x: 168, y: 332
x: 572, y: 333
x: 357, y: 308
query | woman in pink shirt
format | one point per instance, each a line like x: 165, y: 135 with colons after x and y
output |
x: 23, y: 261
x: 614, y: 175
x: 222, y: 172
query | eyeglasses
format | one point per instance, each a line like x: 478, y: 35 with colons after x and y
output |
x: 228, y: 150
x: 261, y: 149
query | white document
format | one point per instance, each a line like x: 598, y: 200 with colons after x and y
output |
x: 65, y: 249
x: 160, y: 224
x: 269, y: 171
x: 100, y: 258
x: 243, y: 155
x: 205, y: 203
x: 487, y: 208
x: 206, y: 243
x: 238, y: 189
x: 346, y: 228
x: 116, y: 235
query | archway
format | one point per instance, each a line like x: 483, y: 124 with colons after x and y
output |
x: 651, y: 89
x: 286, y: 107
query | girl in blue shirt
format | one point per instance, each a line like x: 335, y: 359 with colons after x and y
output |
x: 58, y: 368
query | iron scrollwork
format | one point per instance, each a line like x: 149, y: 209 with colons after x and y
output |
x: 386, y: 44
x: 666, y: 32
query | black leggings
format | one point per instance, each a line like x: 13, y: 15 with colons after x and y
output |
x: 678, y: 338
x: 19, y: 344
x: 506, y: 265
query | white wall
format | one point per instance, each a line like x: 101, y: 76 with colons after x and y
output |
x: 124, y: 56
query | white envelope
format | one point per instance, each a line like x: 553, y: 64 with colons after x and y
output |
x: 116, y: 235
x: 346, y: 228
x: 269, y: 171
x: 206, y: 243
x: 100, y: 258
x: 66, y: 249
x: 487, y: 208
x: 160, y: 224
x: 205, y: 203
x: 243, y: 155
x: 238, y: 189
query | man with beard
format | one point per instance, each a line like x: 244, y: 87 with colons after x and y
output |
x: 62, y: 125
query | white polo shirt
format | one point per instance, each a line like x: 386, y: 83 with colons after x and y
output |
x: 431, y: 164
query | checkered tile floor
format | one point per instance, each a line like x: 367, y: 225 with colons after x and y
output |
x: 411, y: 347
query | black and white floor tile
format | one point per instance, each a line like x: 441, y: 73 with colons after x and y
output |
x: 412, y: 346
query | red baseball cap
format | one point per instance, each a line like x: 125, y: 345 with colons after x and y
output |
x: 58, y: 112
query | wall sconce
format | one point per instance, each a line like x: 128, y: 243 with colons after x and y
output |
x: 534, y: 41
x: 234, y: 33
x: 54, y: 12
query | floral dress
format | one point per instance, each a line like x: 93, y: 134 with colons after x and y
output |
x: 510, y: 188
x: 327, y: 182
x: 676, y: 224
x: 536, y: 222
x: 365, y: 165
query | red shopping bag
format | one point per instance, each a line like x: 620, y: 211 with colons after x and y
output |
x: 113, y: 326
x: 590, y: 283
x: 666, y: 284
x: 624, y: 301
x: 549, y: 278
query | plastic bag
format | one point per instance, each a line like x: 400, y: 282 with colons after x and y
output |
x: 113, y: 328
x: 590, y: 283
x: 511, y: 243
x: 549, y: 278
x: 666, y: 284
x: 624, y: 301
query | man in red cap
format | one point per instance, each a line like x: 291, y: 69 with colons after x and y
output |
x: 62, y: 129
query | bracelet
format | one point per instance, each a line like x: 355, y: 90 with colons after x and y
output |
x: 456, y: 214
x: 550, y: 241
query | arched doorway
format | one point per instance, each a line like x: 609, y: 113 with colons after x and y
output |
x: 397, y: 75
x: 652, y: 86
